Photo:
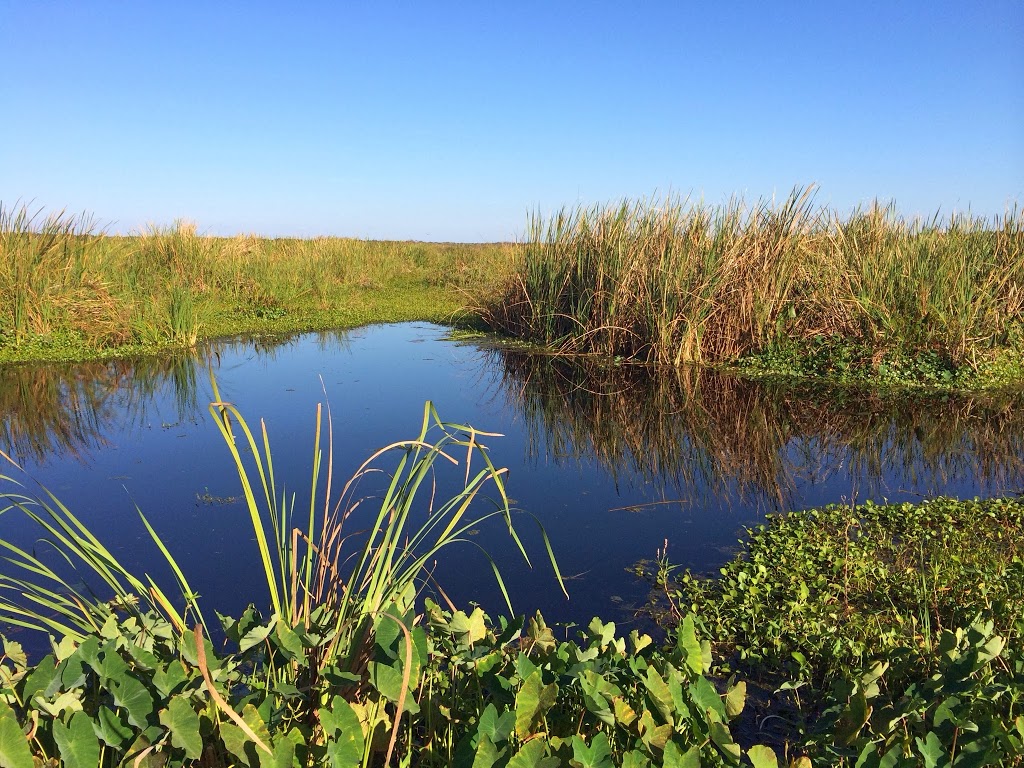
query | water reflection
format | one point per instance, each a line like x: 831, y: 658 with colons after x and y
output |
x: 57, y: 409
x: 697, y: 433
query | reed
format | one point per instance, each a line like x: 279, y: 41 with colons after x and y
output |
x: 672, y: 281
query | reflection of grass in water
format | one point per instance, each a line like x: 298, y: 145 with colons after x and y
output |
x: 53, y: 408
x: 693, y: 431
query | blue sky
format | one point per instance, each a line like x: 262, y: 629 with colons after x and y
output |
x: 443, y: 121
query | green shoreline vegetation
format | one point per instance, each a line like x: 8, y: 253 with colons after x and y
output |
x: 890, y: 635
x: 784, y: 289
x: 68, y: 293
x: 868, y: 635
x: 776, y: 289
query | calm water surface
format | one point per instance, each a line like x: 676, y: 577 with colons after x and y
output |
x: 611, y: 460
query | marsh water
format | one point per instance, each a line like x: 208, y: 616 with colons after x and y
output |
x: 613, y: 461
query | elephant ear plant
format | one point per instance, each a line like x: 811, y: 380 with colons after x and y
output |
x: 341, y: 649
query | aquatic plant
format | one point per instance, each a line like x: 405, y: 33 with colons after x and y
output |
x: 672, y: 281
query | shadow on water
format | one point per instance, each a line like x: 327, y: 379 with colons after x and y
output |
x: 697, y: 433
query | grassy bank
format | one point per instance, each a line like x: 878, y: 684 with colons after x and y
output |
x: 69, y: 292
x: 866, y: 295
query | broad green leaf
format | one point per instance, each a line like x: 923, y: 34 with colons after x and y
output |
x: 762, y: 757
x: 931, y: 750
x: 183, y: 723
x: 14, y: 749
x: 706, y: 697
x: 735, y: 699
x: 40, y: 677
x: 76, y: 742
x: 111, y: 728
x: 345, y: 733
x: 660, y: 695
x: 635, y: 759
x: 531, y: 755
x: 487, y: 755
x: 533, y: 700
x: 597, y: 755
x: 133, y: 696
x: 653, y: 736
x: 624, y: 713
x: 854, y: 717
x: 15, y: 653
x: 722, y: 738
x: 496, y: 728
x: 689, y: 646
x: 167, y: 681
x: 469, y: 629
x: 256, y: 635
x: 676, y: 758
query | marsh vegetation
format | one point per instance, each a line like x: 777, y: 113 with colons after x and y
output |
x: 674, y: 282
x: 69, y: 291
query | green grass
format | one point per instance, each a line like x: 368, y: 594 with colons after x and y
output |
x: 70, y: 293
x: 672, y: 282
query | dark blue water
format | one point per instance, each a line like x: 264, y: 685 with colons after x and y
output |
x: 613, y: 462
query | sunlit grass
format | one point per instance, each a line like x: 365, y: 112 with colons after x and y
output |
x: 673, y: 281
x: 69, y: 291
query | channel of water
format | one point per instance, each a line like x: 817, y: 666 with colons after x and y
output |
x: 612, y: 460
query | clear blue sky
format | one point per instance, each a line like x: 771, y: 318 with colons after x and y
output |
x: 444, y: 121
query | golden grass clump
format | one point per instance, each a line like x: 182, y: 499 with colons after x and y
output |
x: 675, y: 282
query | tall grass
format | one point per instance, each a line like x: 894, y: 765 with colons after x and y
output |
x: 62, y: 281
x: 675, y: 282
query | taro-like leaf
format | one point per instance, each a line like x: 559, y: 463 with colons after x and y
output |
x: 15, y: 653
x: 468, y: 629
x: 596, y: 703
x: 389, y: 679
x: 735, y: 700
x: 722, y: 738
x: 112, y: 728
x: 344, y: 732
x: 624, y: 714
x: 638, y: 642
x: 533, y: 700
x: 256, y: 635
x: 133, y: 696
x: 762, y: 757
x: 40, y: 677
x: 487, y: 755
x: 854, y: 717
x: 597, y: 755
x: 496, y: 727
x: 76, y: 742
x: 653, y: 736
x: 183, y: 723
x: 676, y: 758
x: 532, y: 756
x: 706, y: 697
x: 931, y: 750
x: 689, y: 646
x: 290, y: 642
x: 168, y: 680
x: 14, y: 749
x: 540, y: 633
x: 660, y: 695
x: 635, y: 759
